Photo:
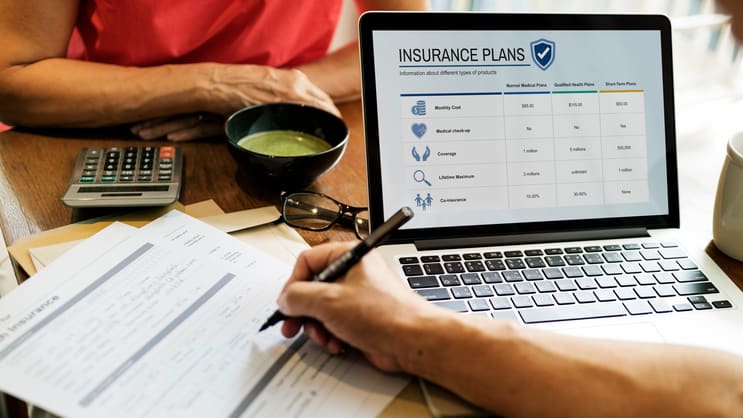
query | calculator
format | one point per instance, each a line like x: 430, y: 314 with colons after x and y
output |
x: 126, y: 176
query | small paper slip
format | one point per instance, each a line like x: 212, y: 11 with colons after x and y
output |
x: 162, y: 321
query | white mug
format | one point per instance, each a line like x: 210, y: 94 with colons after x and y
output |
x: 727, y: 229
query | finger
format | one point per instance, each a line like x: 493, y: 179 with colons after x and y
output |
x: 148, y: 123
x: 169, y: 126
x: 202, y: 130
x: 317, y: 333
x: 290, y: 327
x: 302, y: 298
x: 335, y: 346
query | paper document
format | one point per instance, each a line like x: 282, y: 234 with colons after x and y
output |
x: 162, y: 321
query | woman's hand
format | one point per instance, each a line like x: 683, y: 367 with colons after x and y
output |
x: 180, y: 128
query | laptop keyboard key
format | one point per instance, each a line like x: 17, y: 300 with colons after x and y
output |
x: 493, y: 254
x: 564, y: 298
x: 592, y: 270
x: 565, y: 285
x: 631, y: 256
x: 660, y: 306
x: 682, y: 307
x: 645, y: 279
x: 586, y: 283
x: 650, y: 245
x: 700, y: 288
x: 553, y: 251
x: 470, y: 278
x: 472, y: 256
x: 494, y: 265
x: 492, y: 277
x: 433, y: 268
x: 612, y: 247
x: 535, y: 262
x: 604, y: 295
x: 606, y: 282
x: 483, y: 291
x: 449, y: 280
x: 408, y: 260
x: 625, y: 293
x: 573, y: 250
x: 500, y: 303
x: 516, y: 253
x: 454, y: 267
x: 668, y: 265
x: 649, y: 266
x: 572, y: 272
x: 532, y: 253
x: 686, y: 264
x: 421, y: 282
x: 722, y: 304
x: 572, y: 312
x: 434, y: 294
x: 454, y: 305
x: 593, y: 258
x: 645, y: 292
x: 664, y: 278
x: 593, y: 249
x: 522, y: 301
x: 524, y: 288
x: 574, y: 260
x: 552, y: 273
x: 545, y: 287
x: 512, y: 276
x: 612, y: 257
x: 532, y: 275
x: 412, y: 270
x: 461, y: 292
x: 515, y: 263
x: 543, y: 300
x: 503, y: 289
x: 451, y: 257
x: 430, y: 259
x: 689, y: 276
x: 478, y: 305
x: 664, y: 290
x: 650, y: 255
x: 612, y: 269
x: 626, y: 281
x: 474, y: 266
x: 554, y: 261
x: 638, y: 307
x: 584, y: 296
x: 631, y: 246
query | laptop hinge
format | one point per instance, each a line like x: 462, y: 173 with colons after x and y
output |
x: 443, y: 243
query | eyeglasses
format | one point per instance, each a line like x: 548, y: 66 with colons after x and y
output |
x: 317, y: 212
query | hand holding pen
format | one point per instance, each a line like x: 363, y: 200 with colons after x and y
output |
x: 342, y: 264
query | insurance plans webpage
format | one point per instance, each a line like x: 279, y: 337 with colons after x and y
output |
x: 496, y: 127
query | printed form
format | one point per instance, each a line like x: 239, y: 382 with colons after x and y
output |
x: 163, y: 321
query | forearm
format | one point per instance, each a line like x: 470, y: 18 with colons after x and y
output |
x: 526, y: 372
x: 67, y: 93
x: 338, y: 73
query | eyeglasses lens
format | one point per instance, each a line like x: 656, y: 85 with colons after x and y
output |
x: 310, y: 211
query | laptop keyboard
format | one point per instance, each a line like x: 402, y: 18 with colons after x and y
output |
x: 565, y: 283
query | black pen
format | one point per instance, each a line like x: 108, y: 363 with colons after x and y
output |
x: 340, y: 266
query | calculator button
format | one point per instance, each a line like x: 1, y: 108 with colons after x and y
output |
x: 145, y: 172
x: 90, y: 167
x: 166, y: 152
x: 144, y: 178
x: 108, y: 179
x: 89, y: 173
x: 127, y: 172
x: 127, y: 166
x: 165, y: 171
x: 109, y: 167
x: 87, y: 179
x: 163, y: 178
x: 94, y: 153
x: 126, y: 178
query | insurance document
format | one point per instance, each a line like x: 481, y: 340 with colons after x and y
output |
x: 162, y: 321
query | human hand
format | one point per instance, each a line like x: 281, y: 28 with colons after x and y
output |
x: 238, y: 86
x: 180, y: 128
x: 368, y: 309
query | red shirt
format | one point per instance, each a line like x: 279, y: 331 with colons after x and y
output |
x: 279, y: 33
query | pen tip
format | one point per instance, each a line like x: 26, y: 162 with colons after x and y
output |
x: 264, y: 326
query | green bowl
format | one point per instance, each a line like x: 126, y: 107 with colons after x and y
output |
x: 281, y: 171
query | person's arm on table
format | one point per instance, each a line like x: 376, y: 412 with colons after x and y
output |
x: 511, y: 370
x: 41, y: 88
x: 337, y: 73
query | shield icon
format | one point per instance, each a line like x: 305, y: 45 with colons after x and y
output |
x: 543, y: 53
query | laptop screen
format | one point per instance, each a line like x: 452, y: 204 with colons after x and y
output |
x: 519, y: 122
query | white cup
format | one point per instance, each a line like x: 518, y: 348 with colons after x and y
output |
x: 727, y: 228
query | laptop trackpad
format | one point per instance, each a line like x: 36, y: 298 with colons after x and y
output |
x: 641, y: 331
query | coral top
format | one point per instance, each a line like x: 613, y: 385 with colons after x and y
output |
x: 278, y: 33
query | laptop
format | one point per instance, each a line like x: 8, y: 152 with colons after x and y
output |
x: 538, y: 153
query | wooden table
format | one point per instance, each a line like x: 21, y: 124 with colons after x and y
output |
x: 35, y: 168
